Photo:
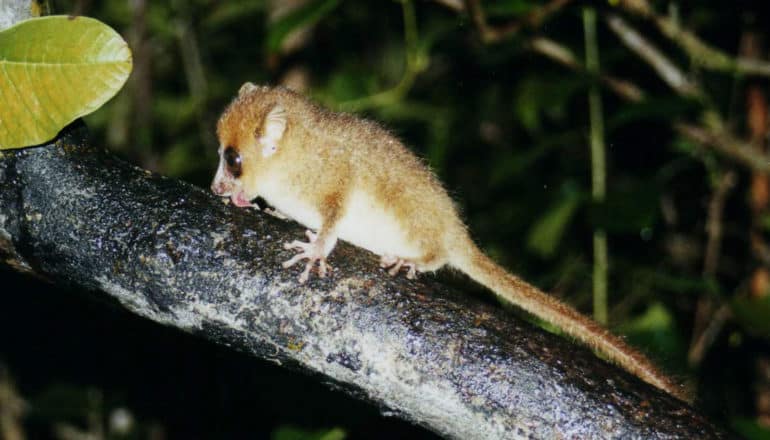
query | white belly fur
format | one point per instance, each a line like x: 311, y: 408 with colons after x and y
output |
x: 291, y: 206
x: 370, y: 226
x: 364, y: 224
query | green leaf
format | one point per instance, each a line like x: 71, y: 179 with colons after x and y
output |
x: 764, y: 220
x: 629, y: 207
x: 302, y: 17
x: 227, y: 13
x: 750, y: 429
x: 292, y: 433
x: 656, y: 331
x: 651, y: 109
x: 54, y: 70
x: 546, y: 234
x: 544, y: 96
x: 752, y: 314
x: 683, y: 284
x: 61, y: 401
x: 507, y: 8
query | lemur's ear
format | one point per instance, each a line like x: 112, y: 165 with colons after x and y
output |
x: 274, y: 126
x: 246, y: 88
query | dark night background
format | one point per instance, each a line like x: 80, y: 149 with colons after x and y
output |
x: 506, y: 126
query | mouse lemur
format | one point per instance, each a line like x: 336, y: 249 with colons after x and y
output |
x: 347, y: 178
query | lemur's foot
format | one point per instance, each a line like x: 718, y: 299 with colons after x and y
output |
x: 276, y: 213
x: 313, y: 251
x: 395, y: 264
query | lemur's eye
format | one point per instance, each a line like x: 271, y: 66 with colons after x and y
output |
x: 233, y: 161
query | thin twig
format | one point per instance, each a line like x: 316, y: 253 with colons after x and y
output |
x: 699, y: 51
x: 714, y: 222
x: 706, y: 326
x: 714, y: 136
x: 195, y: 73
x: 598, y: 167
x: 761, y: 251
x: 455, y: 5
x: 759, y: 191
x: 666, y: 69
x: 556, y: 52
x: 727, y: 144
x: 706, y: 338
x: 12, y: 409
x: 759, y: 203
x: 494, y: 34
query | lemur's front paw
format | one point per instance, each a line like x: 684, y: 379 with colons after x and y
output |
x: 312, y: 251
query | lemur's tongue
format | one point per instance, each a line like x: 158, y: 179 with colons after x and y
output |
x: 239, y: 200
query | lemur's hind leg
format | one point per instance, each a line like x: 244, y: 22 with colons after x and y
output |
x: 427, y: 263
x: 395, y: 264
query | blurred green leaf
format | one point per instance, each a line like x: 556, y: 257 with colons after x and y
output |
x: 752, y: 314
x: 750, y: 429
x: 302, y: 17
x: 346, y: 85
x: 504, y: 8
x: 628, y: 208
x: 684, y: 145
x: 158, y: 18
x: 547, y: 232
x: 56, y: 69
x: 178, y: 111
x: 227, y: 13
x: 681, y: 283
x: 63, y: 401
x: 517, y: 163
x: 177, y: 161
x: 651, y: 109
x: 656, y: 319
x: 541, y: 95
x: 292, y: 433
x: 656, y: 330
x: 765, y: 222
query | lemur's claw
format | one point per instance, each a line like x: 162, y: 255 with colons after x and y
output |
x: 312, y: 251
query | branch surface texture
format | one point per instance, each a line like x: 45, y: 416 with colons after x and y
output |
x: 177, y: 255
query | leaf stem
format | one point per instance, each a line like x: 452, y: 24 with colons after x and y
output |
x: 598, y: 167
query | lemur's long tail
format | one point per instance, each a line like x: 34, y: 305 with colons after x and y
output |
x: 470, y: 259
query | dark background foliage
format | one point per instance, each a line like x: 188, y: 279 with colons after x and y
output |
x: 506, y: 127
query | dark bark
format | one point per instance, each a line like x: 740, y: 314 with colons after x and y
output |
x: 174, y: 253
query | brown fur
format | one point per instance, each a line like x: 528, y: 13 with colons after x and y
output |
x: 324, y: 156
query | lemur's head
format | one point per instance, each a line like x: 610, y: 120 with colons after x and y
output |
x: 249, y: 132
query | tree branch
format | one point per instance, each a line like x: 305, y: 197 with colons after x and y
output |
x: 177, y: 255
x: 12, y: 12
